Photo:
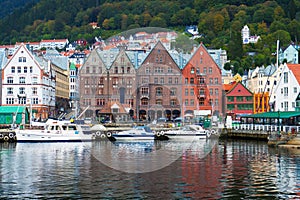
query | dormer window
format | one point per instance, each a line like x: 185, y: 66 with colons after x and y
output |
x: 192, y: 70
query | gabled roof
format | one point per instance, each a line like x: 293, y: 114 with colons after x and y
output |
x: 295, y: 68
x: 239, y: 84
x: 159, y: 45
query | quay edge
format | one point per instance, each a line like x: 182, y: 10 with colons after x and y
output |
x: 245, y: 134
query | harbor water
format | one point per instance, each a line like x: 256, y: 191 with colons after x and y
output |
x: 213, y: 169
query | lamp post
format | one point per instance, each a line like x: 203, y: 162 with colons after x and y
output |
x: 278, y: 124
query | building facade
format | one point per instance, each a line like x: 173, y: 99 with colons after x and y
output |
x: 30, y: 81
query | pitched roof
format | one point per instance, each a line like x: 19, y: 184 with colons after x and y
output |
x: 295, y: 68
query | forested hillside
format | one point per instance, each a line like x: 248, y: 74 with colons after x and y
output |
x: 219, y: 22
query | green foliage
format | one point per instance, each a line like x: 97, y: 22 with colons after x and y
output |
x: 219, y: 22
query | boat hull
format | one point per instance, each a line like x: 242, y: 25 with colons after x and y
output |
x: 133, y: 138
x: 186, y: 136
x: 50, y: 137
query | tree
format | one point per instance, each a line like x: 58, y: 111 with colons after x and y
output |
x: 158, y: 22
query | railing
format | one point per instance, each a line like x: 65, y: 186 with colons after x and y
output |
x: 267, y: 128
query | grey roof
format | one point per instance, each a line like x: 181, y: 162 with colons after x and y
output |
x: 108, y: 56
x: 3, y: 59
x: 137, y: 57
x: 56, y: 58
x: 270, y: 70
x: 181, y: 59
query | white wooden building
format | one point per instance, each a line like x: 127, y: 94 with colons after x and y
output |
x: 29, y: 80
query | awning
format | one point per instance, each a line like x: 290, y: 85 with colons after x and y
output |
x: 274, y: 115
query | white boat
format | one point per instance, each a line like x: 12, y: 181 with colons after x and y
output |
x: 188, y: 132
x: 136, y: 133
x: 55, y: 131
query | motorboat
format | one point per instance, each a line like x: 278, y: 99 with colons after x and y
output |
x: 187, y: 132
x: 55, y: 131
x: 136, y: 133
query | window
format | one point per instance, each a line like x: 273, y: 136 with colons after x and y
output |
x: 10, y: 80
x: 162, y: 80
x: 170, y: 80
x: 35, y: 100
x: 210, y: 80
x: 144, y: 101
x: 156, y: 80
x: 192, y: 92
x: 173, y: 92
x: 230, y: 99
x: 19, y: 70
x: 285, y: 77
x: 216, y: 81
x: 192, y: 70
x: 34, y: 91
x: 186, y: 80
x: 173, y: 102
x: 186, y: 92
x: 170, y: 70
x: 201, y: 91
x: 216, y: 92
x: 116, y: 70
x: 148, y: 70
x: 22, y: 80
x: 286, y: 91
x: 22, y: 59
x: 211, y: 92
x: 295, y: 89
x: 21, y: 90
x: 87, y: 69
x: 176, y: 80
x: 204, y: 70
x: 191, y: 80
x: 25, y: 69
x: 10, y: 91
x: 22, y: 100
x: 13, y: 69
x: 30, y: 69
x: 192, y: 102
x: 210, y: 70
x: 240, y: 99
x: 186, y: 102
x: 9, y: 100
x: 159, y: 91
x: 159, y: 102
x: 145, y: 91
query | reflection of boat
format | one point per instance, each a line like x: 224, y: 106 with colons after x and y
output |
x: 55, y: 130
x: 136, y: 133
x: 188, y: 132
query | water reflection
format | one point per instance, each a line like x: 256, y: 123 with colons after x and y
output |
x: 147, y: 156
x: 229, y: 170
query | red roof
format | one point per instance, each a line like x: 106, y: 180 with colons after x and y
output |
x: 295, y: 68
